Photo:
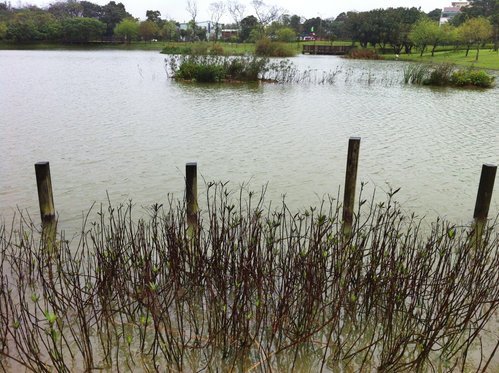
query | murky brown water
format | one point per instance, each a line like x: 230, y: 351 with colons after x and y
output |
x: 112, y: 121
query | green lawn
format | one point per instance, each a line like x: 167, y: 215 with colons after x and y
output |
x: 487, y: 59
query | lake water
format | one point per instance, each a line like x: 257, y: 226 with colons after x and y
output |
x: 113, y: 122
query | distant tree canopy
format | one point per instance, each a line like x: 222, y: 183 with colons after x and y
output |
x: 488, y: 9
x: 475, y: 31
x: 247, y: 25
x: 82, y: 29
x: 128, y: 29
x: 399, y: 29
x: 148, y: 30
x: 382, y: 27
x: 435, y: 14
x: 33, y: 25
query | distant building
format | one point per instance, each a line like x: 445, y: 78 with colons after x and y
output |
x: 208, y: 26
x: 450, y: 12
x: 227, y: 34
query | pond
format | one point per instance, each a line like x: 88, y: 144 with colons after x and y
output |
x: 112, y: 122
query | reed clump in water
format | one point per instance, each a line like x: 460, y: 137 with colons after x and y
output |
x: 446, y: 75
x: 230, y: 69
x: 254, y: 289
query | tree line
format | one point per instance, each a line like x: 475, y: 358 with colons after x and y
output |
x: 399, y: 29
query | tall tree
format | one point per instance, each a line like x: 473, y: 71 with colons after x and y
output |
x: 148, y: 30
x: 169, y: 31
x: 128, y: 29
x: 475, y: 31
x: 192, y: 9
x: 427, y: 32
x: 82, y: 29
x: 153, y: 16
x: 90, y: 10
x: 33, y: 24
x: 248, y: 24
x: 488, y: 9
x: 295, y: 23
x: 217, y: 10
x: 65, y: 9
x: 112, y: 15
x: 435, y: 14
x: 236, y: 10
x: 398, y: 27
x: 266, y: 14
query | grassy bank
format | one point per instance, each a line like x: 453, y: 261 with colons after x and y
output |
x: 488, y: 59
x: 253, y: 289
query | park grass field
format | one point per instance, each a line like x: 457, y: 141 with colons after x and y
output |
x: 487, y: 58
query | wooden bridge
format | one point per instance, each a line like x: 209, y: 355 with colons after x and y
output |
x: 336, y: 50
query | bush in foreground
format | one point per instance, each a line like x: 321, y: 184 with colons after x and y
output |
x: 252, y: 289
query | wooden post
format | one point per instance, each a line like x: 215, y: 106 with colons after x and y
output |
x: 191, y: 196
x: 350, y: 183
x: 45, y: 196
x: 483, y: 198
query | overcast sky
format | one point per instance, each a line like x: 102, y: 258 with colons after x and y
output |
x: 324, y: 8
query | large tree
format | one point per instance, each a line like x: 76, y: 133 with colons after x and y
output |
x: 248, y: 24
x: 169, y: 31
x: 399, y: 23
x: 265, y: 13
x: 154, y: 16
x: 236, y: 10
x: 488, y: 9
x: 66, y: 9
x: 82, y: 29
x: 475, y: 31
x: 435, y: 14
x: 112, y: 14
x: 90, y: 10
x: 192, y: 9
x: 32, y: 25
x: 427, y: 32
x: 148, y: 30
x: 128, y: 29
x: 217, y: 10
x: 3, y: 30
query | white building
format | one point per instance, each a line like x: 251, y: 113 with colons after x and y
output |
x: 451, y: 11
x: 208, y: 26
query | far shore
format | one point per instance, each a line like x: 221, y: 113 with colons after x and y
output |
x: 488, y: 58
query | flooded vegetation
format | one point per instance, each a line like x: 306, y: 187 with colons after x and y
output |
x: 447, y: 75
x: 253, y: 288
x: 216, y: 69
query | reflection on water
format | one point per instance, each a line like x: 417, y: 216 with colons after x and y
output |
x: 111, y: 121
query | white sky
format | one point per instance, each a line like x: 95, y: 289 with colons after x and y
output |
x: 323, y: 8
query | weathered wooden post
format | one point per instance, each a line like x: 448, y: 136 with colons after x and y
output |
x: 350, y: 183
x: 191, y: 196
x: 483, y: 198
x: 45, y: 196
x: 46, y: 202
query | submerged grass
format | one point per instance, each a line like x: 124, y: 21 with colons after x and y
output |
x: 254, y: 289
